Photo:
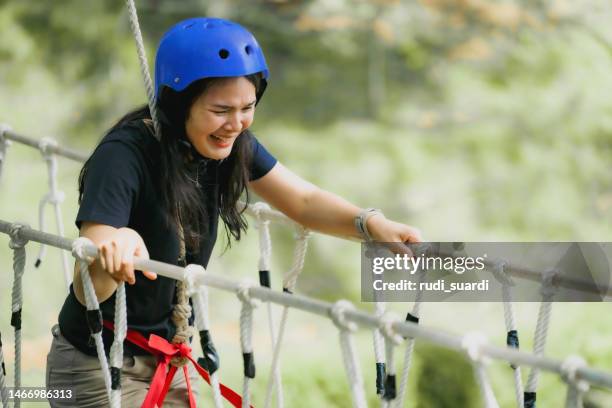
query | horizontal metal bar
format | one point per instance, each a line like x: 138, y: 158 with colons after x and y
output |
x: 60, y: 151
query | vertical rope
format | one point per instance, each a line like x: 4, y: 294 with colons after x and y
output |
x: 116, y: 351
x: 4, y: 144
x: 289, y: 282
x: 265, y: 255
x: 392, y: 339
x: 55, y: 198
x: 17, y: 244
x: 246, y: 340
x: 210, y: 361
x: 378, y: 342
x: 94, y: 316
x: 472, y: 343
x: 349, y: 354
x: 413, y: 317
x: 512, y: 338
x: 3, y: 390
x: 576, y: 387
x: 548, y: 291
x: 144, y: 65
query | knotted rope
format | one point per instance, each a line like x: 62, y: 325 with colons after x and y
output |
x: 547, y: 290
x: 512, y: 338
x: 246, y: 337
x: 472, y: 343
x: 17, y: 244
x: 94, y: 316
x: 116, y: 351
x: 349, y: 354
x: 54, y: 197
x: 576, y: 387
x: 392, y: 339
x: 210, y: 361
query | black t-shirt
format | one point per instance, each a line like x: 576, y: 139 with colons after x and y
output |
x: 121, y: 189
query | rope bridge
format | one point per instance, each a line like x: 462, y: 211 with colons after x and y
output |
x: 389, y: 331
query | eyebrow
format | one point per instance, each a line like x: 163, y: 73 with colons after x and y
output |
x: 231, y: 107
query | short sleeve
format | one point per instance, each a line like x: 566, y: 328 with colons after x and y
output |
x: 262, y: 162
x: 111, y: 185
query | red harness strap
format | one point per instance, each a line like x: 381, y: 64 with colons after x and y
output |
x: 160, y: 383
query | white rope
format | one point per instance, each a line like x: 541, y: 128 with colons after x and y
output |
x: 4, y: 144
x: 392, y: 339
x: 3, y: 390
x: 265, y: 254
x: 144, y: 65
x: 507, y: 283
x: 472, y: 343
x: 576, y: 387
x: 17, y: 244
x: 378, y: 342
x: 199, y: 299
x: 54, y: 197
x: 539, y: 342
x: 349, y: 354
x: 416, y: 314
x: 289, y: 282
x: 246, y: 337
x: 116, y: 351
x: 91, y: 301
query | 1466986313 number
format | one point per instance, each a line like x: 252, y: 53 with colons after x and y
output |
x: 39, y: 394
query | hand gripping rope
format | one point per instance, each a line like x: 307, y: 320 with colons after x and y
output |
x: 349, y: 355
x: 55, y: 198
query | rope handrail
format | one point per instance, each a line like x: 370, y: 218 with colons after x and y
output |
x: 324, y: 309
x: 59, y: 150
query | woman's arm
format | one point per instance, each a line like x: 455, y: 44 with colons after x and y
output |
x: 323, y: 211
x: 117, y: 248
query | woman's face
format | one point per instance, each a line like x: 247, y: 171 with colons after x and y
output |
x: 219, y: 115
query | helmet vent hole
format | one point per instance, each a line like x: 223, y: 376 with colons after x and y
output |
x: 223, y: 53
x: 248, y: 49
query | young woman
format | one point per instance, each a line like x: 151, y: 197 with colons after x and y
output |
x: 140, y: 197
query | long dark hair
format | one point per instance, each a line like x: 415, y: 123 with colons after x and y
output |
x: 182, y: 199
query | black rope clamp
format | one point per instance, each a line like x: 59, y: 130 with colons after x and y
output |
x: 16, y: 319
x: 3, y: 369
x: 381, y: 371
x: 210, y: 361
x: 512, y: 341
x: 287, y: 290
x: 249, y: 365
x: 264, y: 278
x: 529, y: 399
x: 115, y: 373
x: 411, y: 318
x: 390, y: 390
x: 94, y: 321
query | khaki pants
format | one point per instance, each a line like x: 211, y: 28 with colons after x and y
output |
x: 69, y: 368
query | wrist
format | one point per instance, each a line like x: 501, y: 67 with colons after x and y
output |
x: 362, y: 222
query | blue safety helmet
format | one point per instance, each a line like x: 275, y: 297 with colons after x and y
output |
x: 203, y: 47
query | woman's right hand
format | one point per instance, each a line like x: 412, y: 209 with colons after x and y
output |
x: 117, y: 253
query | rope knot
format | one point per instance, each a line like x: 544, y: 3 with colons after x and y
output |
x: 569, y: 372
x: 549, y: 283
x: 259, y: 209
x: 4, y: 142
x: 189, y: 278
x: 45, y: 145
x: 472, y: 343
x: 338, y: 315
x: 79, y: 249
x: 55, y: 197
x: 385, y: 324
x: 302, y: 233
x: 17, y: 241
x: 499, y: 272
x: 243, y: 293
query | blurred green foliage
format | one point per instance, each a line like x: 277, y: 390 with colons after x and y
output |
x: 473, y: 120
